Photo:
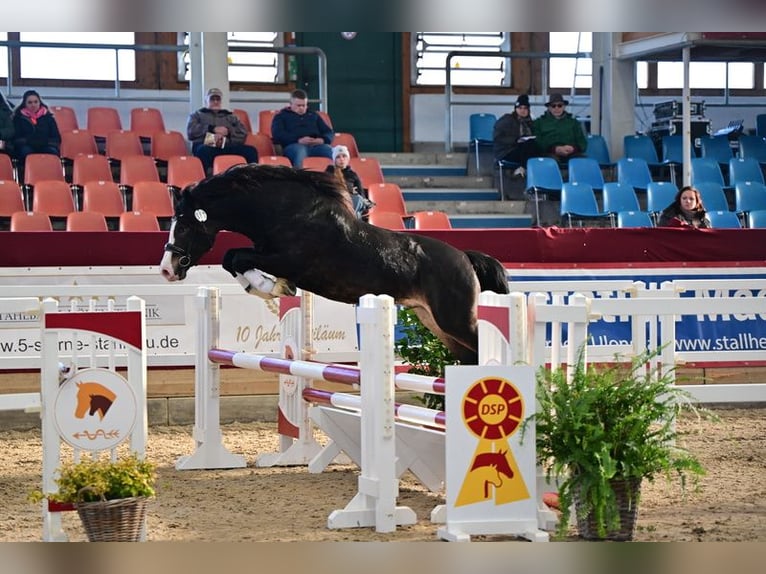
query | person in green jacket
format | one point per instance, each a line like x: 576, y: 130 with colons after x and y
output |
x: 558, y: 133
x: 7, y: 131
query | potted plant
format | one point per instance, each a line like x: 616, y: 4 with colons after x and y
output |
x: 600, y: 432
x: 110, y: 496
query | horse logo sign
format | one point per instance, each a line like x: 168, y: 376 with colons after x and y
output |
x: 492, y: 410
x: 95, y: 409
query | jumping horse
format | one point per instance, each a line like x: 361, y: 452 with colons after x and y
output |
x: 304, y: 235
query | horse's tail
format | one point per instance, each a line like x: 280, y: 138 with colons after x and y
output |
x: 490, y: 272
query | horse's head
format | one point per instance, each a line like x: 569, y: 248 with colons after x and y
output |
x: 190, y: 237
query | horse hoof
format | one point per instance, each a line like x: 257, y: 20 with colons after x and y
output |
x: 283, y: 287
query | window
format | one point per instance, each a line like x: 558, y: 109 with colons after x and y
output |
x: 430, y: 58
x: 570, y: 72
x: 246, y: 66
x: 3, y: 56
x: 77, y: 63
x: 706, y: 75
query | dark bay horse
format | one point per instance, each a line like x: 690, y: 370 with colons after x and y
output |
x: 303, y: 235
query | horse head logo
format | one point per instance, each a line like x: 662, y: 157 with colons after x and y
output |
x: 93, y: 398
x: 493, y: 466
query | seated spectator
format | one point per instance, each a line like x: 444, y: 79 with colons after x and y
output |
x: 558, y: 132
x: 214, y: 130
x: 301, y: 132
x: 360, y: 204
x: 36, y: 130
x: 686, y: 210
x: 7, y: 130
x: 512, y: 136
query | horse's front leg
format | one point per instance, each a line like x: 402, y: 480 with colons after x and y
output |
x: 243, y: 266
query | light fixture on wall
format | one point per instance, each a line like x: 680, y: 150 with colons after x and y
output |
x: 348, y: 35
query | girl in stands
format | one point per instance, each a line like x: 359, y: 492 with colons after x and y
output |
x: 350, y: 179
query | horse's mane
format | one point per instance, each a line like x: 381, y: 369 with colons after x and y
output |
x: 253, y: 178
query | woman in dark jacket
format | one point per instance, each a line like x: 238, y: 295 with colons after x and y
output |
x: 36, y: 130
x: 685, y: 211
x: 512, y: 136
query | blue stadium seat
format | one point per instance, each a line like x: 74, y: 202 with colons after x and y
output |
x: 724, y: 220
x: 634, y: 219
x: 634, y: 171
x: 578, y: 202
x: 480, y: 127
x: 659, y: 194
x: 586, y: 170
x: 619, y: 197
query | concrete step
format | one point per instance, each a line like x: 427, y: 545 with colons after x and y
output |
x: 440, y: 181
x: 450, y: 194
x: 469, y: 208
x: 420, y: 158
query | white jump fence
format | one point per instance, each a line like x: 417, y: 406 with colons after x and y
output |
x: 524, y: 322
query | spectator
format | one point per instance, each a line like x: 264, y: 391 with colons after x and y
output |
x: 301, y: 132
x: 214, y: 130
x: 7, y: 130
x: 686, y: 210
x: 350, y: 180
x: 558, y: 132
x: 512, y: 136
x: 36, y: 130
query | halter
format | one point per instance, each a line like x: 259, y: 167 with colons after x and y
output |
x: 184, y: 259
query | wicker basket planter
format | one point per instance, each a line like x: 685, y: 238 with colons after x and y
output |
x: 119, y: 520
x: 626, y: 493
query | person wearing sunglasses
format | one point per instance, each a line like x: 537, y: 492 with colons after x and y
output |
x: 558, y: 133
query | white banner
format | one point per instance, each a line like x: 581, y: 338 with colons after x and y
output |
x: 248, y: 323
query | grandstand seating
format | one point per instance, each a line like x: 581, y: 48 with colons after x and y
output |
x: 223, y: 162
x: 153, y: 197
x: 749, y: 196
x: 753, y: 146
x: 578, y: 203
x: 634, y: 219
x: 724, y: 219
x: 122, y: 143
x: 101, y: 120
x: 757, y: 219
x: 431, y: 220
x: 634, y: 171
x: 244, y: 117
x: 184, y: 170
x: 103, y: 197
x: 66, y: 118
x: 348, y: 140
x: 11, y: 200
x: 619, y: 197
x: 90, y: 167
x: 30, y: 221
x: 262, y: 143
x: 77, y: 142
x: 586, y: 170
x: 659, y: 195
x: 480, y: 128
x: 55, y: 199
x: 387, y: 197
x: 368, y: 169
x: 166, y: 145
x: 264, y: 121
x: 386, y: 219
x: 712, y: 195
x: 86, y: 221
x: 274, y: 160
x: 137, y: 168
x: 7, y: 169
x: 145, y: 122
x: 138, y: 221
x: 744, y: 169
x: 316, y: 163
